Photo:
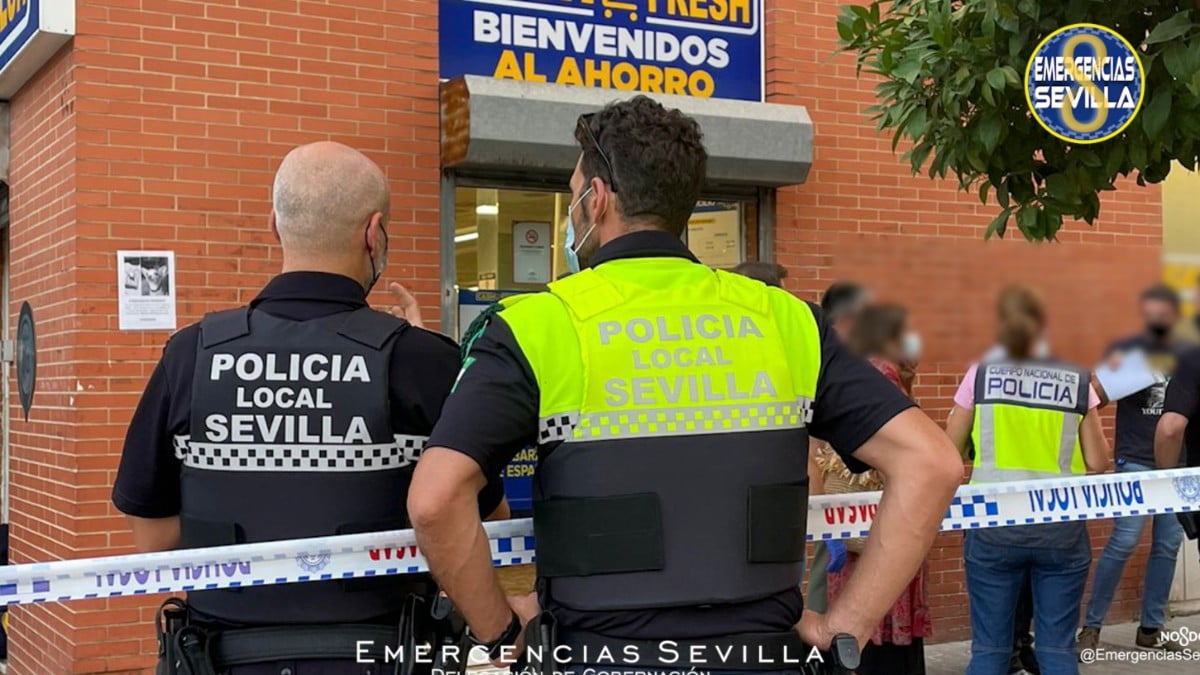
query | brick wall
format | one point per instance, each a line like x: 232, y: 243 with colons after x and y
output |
x: 161, y: 125
x: 161, y: 128
x: 863, y: 216
x: 46, y: 508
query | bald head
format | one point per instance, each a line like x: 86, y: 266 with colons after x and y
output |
x: 324, y: 195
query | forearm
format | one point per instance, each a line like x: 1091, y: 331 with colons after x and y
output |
x: 456, y: 546
x: 1167, y: 447
x: 155, y: 534
x: 906, y: 523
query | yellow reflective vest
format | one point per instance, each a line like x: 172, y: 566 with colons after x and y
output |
x: 1027, y: 417
x: 672, y: 440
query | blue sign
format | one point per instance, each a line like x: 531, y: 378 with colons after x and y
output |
x: 518, y: 475
x: 1084, y: 83
x: 518, y: 482
x: 19, y: 22
x: 702, y: 48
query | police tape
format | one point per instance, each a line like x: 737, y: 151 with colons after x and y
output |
x: 390, y: 553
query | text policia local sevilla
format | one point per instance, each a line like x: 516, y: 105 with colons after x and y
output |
x: 286, y: 428
x: 668, y: 343
x: 622, y: 57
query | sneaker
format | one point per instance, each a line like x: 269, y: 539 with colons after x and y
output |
x: 1154, y: 640
x: 1088, y: 638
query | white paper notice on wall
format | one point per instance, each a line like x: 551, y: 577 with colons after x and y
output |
x: 714, y: 234
x: 146, y: 290
x: 531, y: 252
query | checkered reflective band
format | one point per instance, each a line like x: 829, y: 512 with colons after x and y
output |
x: 263, y: 457
x: 389, y: 553
x: 557, y: 427
x: 683, y: 421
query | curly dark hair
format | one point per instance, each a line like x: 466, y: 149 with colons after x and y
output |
x: 656, y: 154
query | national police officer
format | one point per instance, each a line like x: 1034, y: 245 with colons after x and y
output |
x: 1028, y: 418
x: 670, y: 405
x: 299, y: 415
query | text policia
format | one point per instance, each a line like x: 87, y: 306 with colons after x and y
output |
x: 628, y: 59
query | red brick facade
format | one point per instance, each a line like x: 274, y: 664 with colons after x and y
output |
x: 160, y: 127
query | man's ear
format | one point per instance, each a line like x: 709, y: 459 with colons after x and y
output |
x: 375, y: 235
x: 600, y: 199
x: 274, y: 226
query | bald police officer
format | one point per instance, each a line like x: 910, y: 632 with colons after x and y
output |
x: 299, y: 415
x: 670, y: 405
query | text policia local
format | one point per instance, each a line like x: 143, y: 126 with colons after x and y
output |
x: 299, y: 428
x: 606, y: 42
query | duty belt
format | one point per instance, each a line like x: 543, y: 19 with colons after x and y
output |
x: 749, y: 651
x: 349, y: 642
x: 742, y: 652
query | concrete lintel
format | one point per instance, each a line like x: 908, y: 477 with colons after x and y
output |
x: 502, y: 125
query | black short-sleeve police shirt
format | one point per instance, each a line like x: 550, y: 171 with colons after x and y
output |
x: 1183, y: 398
x: 423, y: 368
x: 493, y: 414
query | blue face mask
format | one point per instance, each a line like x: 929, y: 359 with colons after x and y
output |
x: 571, y: 250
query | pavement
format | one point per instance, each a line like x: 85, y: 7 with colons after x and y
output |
x: 1116, y: 655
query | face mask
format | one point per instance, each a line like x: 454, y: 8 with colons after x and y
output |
x: 911, y: 346
x: 572, y: 250
x: 377, y: 271
x: 1158, y: 330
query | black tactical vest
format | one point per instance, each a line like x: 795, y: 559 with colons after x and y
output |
x: 291, y: 437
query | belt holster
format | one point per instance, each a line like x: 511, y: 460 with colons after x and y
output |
x: 182, y: 646
x: 541, y: 638
x: 449, y: 634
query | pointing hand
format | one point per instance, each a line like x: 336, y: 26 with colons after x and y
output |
x: 406, y: 307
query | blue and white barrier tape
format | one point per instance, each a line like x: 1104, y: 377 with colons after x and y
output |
x: 387, y: 553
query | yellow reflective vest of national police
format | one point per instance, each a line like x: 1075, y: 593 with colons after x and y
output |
x: 672, y: 442
x: 1027, y: 417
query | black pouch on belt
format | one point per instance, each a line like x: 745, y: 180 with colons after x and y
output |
x: 449, y: 634
x: 541, y: 638
x: 413, y: 622
x: 172, y: 617
x: 192, y: 647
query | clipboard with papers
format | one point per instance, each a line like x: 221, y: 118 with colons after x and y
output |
x: 1131, y: 374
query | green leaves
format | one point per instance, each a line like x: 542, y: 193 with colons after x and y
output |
x: 1173, y: 28
x: 996, y: 78
x: 952, y: 81
x: 990, y: 128
x: 1155, y: 116
x: 998, y: 225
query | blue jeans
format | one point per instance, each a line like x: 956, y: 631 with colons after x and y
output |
x: 1165, y: 541
x: 995, y: 575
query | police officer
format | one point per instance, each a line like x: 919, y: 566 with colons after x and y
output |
x: 670, y: 405
x: 1176, y: 430
x: 299, y: 415
x: 1028, y: 418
